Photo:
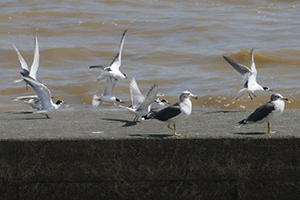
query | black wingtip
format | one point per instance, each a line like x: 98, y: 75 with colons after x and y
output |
x: 226, y: 58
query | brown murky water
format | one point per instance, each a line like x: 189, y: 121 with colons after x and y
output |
x: 176, y: 44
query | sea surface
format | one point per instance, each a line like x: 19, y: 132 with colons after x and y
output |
x: 176, y: 44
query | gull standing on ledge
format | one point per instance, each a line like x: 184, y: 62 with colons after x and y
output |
x: 267, y: 113
x: 176, y: 112
x: 44, y: 97
x: 113, y: 71
x: 140, y: 105
x: 108, y: 94
x: 249, y: 77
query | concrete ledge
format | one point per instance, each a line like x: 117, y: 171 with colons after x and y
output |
x: 104, y: 161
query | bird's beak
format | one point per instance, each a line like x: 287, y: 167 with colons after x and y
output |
x: 286, y: 99
x: 194, y: 96
x: 270, y: 89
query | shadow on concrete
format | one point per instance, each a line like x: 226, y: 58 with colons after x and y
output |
x: 224, y: 111
x: 250, y: 133
x: 127, y: 123
x: 150, y: 135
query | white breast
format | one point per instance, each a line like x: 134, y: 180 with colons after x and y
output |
x: 279, y: 108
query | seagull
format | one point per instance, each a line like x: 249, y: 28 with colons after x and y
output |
x: 267, y: 112
x: 140, y: 105
x: 176, y: 112
x: 35, y: 64
x: 32, y: 101
x: 44, y: 96
x: 249, y: 77
x: 113, y: 71
x: 108, y: 94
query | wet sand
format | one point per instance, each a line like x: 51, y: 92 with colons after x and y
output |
x: 118, y: 124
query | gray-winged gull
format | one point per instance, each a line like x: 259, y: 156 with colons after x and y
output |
x: 267, y: 112
x: 176, y: 112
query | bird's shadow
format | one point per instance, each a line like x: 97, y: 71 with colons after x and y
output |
x: 249, y: 133
x: 151, y: 135
x: 223, y: 111
x: 31, y: 118
x: 127, y: 123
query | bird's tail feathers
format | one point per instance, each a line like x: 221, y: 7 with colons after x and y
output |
x: 241, y: 93
x: 18, y: 81
x: 241, y: 123
x: 96, y: 100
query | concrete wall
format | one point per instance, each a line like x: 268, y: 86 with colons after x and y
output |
x: 152, y: 168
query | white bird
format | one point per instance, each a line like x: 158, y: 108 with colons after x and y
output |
x: 176, y: 112
x: 140, y: 105
x: 32, y: 101
x: 267, y: 112
x: 249, y: 77
x: 44, y: 96
x: 35, y: 64
x: 113, y: 71
x: 108, y: 94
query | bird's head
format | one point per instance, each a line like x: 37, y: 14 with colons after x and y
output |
x: 267, y: 89
x: 60, y: 102
x: 125, y: 75
x: 278, y: 96
x: 165, y: 101
x: 187, y: 94
x: 119, y: 100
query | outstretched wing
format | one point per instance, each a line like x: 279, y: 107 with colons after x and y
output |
x: 22, y: 61
x: 109, y: 88
x: 242, y: 69
x: 253, y: 67
x: 36, y: 59
x: 116, y: 63
x: 41, y: 90
x: 137, y: 97
x: 22, y: 98
x: 150, y: 98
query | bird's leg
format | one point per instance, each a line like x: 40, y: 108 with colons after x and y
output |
x: 254, y: 95
x: 170, y: 126
x: 175, y: 131
x: 111, y: 80
x: 269, y: 129
x: 250, y: 96
x: 48, y: 117
x: 136, y: 118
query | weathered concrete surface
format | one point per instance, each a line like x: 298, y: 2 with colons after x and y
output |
x: 103, y: 155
